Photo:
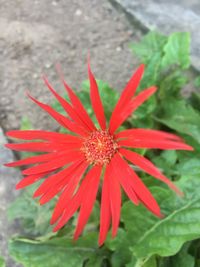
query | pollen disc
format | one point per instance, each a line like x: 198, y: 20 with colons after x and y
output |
x: 99, y: 147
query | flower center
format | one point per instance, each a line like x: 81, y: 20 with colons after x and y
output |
x: 99, y: 147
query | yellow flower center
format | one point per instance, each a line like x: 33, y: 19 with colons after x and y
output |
x: 99, y: 147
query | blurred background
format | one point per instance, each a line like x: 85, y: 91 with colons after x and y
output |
x: 35, y: 35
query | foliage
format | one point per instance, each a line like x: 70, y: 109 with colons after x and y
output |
x: 33, y: 217
x: 143, y: 240
x: 2, y: 262
x: 57, y: 252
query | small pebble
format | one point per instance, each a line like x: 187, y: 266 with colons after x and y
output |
x: 118, y: 49
x: 54, y: 3
x: 78, y: 12
x: 48, y: 65
x: 35, y: 75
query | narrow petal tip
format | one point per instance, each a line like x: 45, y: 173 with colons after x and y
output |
x: 176, y: 189
x: 101, y: 241
x: 8, y: 164
x: 114, y: 233
x: 52, y: 220
x: 8, y: 146
x: 75, y: 237
x: 56, y: 228
x: 142, y: 67
x: 181, y: 194
x: 190, y: 148
x: 27, y: 92
x: 9, y: 133
x: 186, y: 147
x: 161, y: 216
x: 154, y: 89
x: 18, y: 186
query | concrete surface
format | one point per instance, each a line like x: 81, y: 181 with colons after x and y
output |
x: 167, y: 17
x: 8, y: 179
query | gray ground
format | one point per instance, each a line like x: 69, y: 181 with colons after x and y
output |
x: 167, y: 17
x: 34, y: 35
x: 8, y: 179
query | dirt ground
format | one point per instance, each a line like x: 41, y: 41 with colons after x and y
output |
x: 35, y: 35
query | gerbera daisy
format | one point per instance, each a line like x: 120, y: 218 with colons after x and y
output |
x: 74, y: 164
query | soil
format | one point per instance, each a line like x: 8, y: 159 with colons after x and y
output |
x: 35, y: 35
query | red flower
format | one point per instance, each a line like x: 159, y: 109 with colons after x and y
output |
x: 74, y: 164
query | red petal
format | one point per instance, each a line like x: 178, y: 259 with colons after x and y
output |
x: 73, y: 205
x: 66, y: 197
x: 65, y: 122
x: 126, y: 96
x: 67, y: 107
x: 154, y: 144
x: 78, y: 106
x: 37, y: 159
x: 148, y: 167
x: 124, y: 182
x: 105, y: 213
x: 49, y: 195
x: 96, y: 100
x: 130, y: 107
x: 42, y: 146
x: 90, y: 197
x: 137, y: 185
x: 56, y: 163
x: 56, y: 178
x: 140, y: 98
x: 43, y: 135
x: 26, y: 181
x: 115, y: 199
x: 31, y: 160
x: 146, y: 133
x: 59, y: 186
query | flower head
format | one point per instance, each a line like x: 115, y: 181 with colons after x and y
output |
x: 73, y: 165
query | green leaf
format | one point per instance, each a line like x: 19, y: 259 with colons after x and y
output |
x: 120, y: 247
x: 62, y: 252
x: 26, y: 123
x: 162, y: 68
x: 165, y: 237
x: 34, y: 217
x: 177, y: 50
x: 197, y: 82
x: 152, y: 72
x: 2, y: 262
x: 165, y: 161
x: 170, y: 156
x: 150, y: 52
x: 180, y: 116
x: 151, y: 44
x: 189, y: 167
x: 195, y: 100
x: 148, y: 262
x: 182, y: 259
x: 170, y: 84
x: 141, y: 217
